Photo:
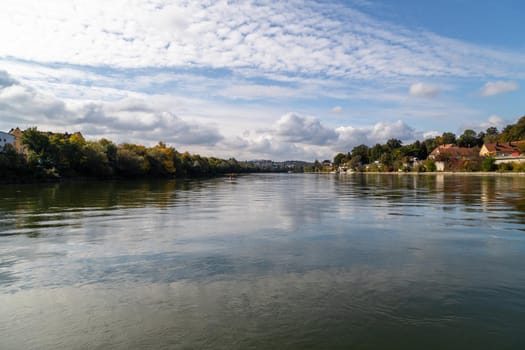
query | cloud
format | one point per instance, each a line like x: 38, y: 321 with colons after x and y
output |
x: 350, y: 136
x: 313, y: 38
x: 492, y: 121
x: 124, y: 120
x: 498, y: 87
x: 19, y: 102
x: 294, y: 136
x: 337, y: 109
x: 6, y: 80
x: 142, y: 122
x: 257, y: 91
x: 424, y: 90
x: 292, y: 127
x: 269, y: 147
x: 431, y: 134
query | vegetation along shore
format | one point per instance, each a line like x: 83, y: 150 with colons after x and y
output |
x: 34, y: 155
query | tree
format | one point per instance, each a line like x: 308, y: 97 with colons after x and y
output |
x: 514, y: 132
x: 129, y: 163
x: 361, y: 151
x: 35, y: 141
x: 491, y: 135
x: 376, y: 152
x: 430, y: 165
x: 339, y: 159
x: 394, y: 144
x: 111, y: 151
x: 468, y: 139
x: 431, y: 144
x: 356, y: 163
x: 488, y: 164
x: 12, y: 163
x: 95, y: 161
x: 447, y: 138
x: 161, y: 160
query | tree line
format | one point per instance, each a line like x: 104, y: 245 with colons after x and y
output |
x: 62, y: 155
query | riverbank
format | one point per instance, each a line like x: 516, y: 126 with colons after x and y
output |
x: 429, y: 173
x: 455, y: 173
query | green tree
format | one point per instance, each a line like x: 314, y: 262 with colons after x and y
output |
x: 130, y: 163
x: 431, y: 144
x: 447, y: 138
x: 95, y: 161
x: 468, y: 139
x: 394, y: 144
x: 161, y: 160
x: 491, y: 135
x: 361, y: 151
x: 376, y: 152
x: 36, y: 143
x: 488, y: 164
x: 339, y: 159
x: 13, y: 164
x: 355, y: 163
x: 111, y: 151
x: 514, y: 132
x: 430, y: 165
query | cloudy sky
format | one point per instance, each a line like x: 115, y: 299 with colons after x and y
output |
x: 261, y: 79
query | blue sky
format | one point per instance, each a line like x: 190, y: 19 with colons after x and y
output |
x: 261, y: 79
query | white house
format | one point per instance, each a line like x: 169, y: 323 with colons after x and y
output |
x: 6, y: 138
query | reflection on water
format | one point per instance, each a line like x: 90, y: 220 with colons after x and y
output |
x: 284, y: 261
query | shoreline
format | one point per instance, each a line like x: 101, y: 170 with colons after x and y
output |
x: 449, y: 173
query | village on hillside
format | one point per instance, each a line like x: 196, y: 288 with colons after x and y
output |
x: 489, y: 150
x: 450, y: 157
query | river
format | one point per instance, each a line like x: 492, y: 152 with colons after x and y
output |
x: 286, y: 261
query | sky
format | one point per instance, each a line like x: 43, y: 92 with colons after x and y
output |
x: 281, y: 80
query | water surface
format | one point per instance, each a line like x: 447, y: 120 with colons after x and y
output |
x: 265, y: 261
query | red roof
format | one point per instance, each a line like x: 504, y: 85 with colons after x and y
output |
x: 452, y: 151
x: 505, y: 147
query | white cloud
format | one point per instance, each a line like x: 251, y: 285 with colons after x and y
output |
x: 314, y: 141
x: 492, y: 121
x: 380, y: 132
x: 20, y: 102
x: 337, y: 109
x: 124, y: 120
x: 257, y: 91
x: 312, y: 38
x: 145, y: 124
x: 431, y: 134
x: 295, y: 128
x: 424, y: 90
x: 498, y: 87
x: 6, y: 80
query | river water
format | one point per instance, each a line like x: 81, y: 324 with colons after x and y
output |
x: 265, y: 262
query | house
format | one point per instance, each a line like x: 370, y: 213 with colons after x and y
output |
x: 452, y: 157
x: 17, y: 133
x: 411, y: 163
x: 6, y: 138
x: 504, y: 152
x: 504, y: 149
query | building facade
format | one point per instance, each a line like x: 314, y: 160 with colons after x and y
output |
x: 6, y: 138
x: 17, y: 133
